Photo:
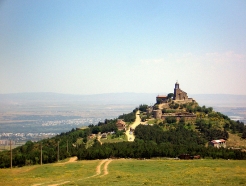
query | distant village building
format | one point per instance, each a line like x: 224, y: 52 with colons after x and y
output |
x: 91, y: 136
x: 121, y: 125
x: 7, y: 142
x: 104, y: 135
x: 218, y: 143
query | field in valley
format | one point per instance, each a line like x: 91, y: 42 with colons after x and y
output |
x: 129, y: 172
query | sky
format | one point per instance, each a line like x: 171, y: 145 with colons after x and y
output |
x: 141, y: 46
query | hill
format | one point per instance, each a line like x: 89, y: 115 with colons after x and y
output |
x: 168, y: 137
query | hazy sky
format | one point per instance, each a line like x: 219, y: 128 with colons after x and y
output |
x: 91, y: 47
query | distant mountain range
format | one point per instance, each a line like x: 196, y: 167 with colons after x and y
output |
x: 214, y: 100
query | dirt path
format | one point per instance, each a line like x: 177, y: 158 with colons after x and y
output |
x: 105, y: 168
x: 57, y: 184
x: 71, y: 160
x: 99, y: 139
x: 98, y: 172
x: 137, y: 121
x: 98, y: 169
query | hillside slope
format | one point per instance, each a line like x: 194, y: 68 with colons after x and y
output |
x: 168, y: 137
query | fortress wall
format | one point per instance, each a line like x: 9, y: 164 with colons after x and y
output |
x: 157, y: 114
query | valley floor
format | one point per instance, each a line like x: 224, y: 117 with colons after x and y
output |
x: 129, y: 172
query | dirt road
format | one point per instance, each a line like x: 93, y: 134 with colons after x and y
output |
x: 99, y: 172
x: 98, y: 169
x: 137, y: 121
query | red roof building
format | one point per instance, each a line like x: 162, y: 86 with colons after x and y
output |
x: 218, y: 143
x: 121, y: 125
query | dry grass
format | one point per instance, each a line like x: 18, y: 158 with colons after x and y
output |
x: 235, y: 141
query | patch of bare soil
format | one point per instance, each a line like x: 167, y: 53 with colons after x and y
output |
x: 57, y: 184
x: 99, y: 139
x: 72, y: 159
x: 131, y: 137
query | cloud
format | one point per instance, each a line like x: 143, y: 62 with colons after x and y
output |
x: 152, y: 61
x: 190, y: 58
x: 226, y: 57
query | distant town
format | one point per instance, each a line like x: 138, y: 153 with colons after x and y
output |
x: 56, y: 126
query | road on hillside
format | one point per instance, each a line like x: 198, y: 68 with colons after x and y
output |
x: 131, y: 137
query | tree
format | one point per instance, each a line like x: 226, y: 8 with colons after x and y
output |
x: 143, y: 107
x: 244, y: 134
x: 170, y: 95
x: 171, y: 119
x: 159, y: 101
x: 95, y: 130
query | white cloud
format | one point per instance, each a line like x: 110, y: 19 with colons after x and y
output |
x: 226, y: 57
x: 199, y: 73
x: 152, y: 61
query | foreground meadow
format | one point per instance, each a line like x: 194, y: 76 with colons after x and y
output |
x: 129, y: 172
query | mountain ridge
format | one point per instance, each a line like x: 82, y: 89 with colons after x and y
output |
x: 124, y: 97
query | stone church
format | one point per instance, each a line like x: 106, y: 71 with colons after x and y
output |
x: 179, y: 94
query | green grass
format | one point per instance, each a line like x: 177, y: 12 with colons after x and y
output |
x: 113, y: 140
x: 90, y: 142
x: 131, y: 172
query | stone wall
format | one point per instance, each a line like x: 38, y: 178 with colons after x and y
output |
x: 157, y: 114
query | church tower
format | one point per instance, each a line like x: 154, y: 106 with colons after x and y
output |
x: 176, y: 90
x: 178, y: 93
x: 176, y: 85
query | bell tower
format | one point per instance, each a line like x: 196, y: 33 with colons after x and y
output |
x: 176, y: 91
x: 177, y: 85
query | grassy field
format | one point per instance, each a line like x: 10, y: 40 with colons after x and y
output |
x: 129, y: 172
x: 109, y: 139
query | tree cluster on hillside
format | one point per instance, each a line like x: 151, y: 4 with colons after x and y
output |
x: 210, y: 133
x: 107, y: 126
x: 143, y: 107
x: 29, y: 154
x: 128, y: 117
x: 149, y: 149
x: 178, y: 136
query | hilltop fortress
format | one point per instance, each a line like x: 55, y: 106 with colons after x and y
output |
x: 178, y: 96
x: 172, y: 105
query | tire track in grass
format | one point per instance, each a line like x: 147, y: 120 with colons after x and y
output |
x: 105, y: 168
x: 98, y: 169
x: 57, y: 184
x: 98, y: 173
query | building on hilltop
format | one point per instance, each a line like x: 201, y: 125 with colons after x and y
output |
x: 179, y: 97
x: 161, y: 99
x: 121, y: 125
x: 218, y: 143
x: 179, y: 94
